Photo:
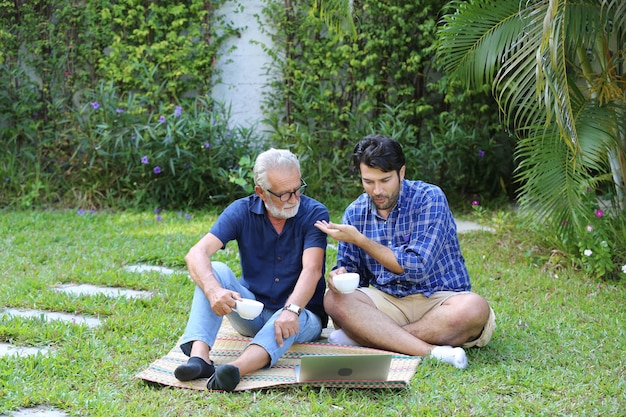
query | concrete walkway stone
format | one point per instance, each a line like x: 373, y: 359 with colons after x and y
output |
x: 88, y: 289
x: 465, y: 227
x: 51, y: 316
x: 36, y: 412
x: 7, y: 349
x: 150, y: 268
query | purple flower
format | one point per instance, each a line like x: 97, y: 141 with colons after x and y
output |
x: 119, y: 110
x: 144, y: 159
x: 599, y: 213
x: 157, y: 210
x: 207, y: 145
x: 159, y: 218
x: 475, y: 203
x: 481, y: 153
x: 178, y: 111
x: 157, y: 169
x: 80, y: 212
x: 161, y: 119
x: 95, y: 105
x: 187, y: 216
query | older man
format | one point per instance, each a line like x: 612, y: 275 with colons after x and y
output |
x: 282, y: 262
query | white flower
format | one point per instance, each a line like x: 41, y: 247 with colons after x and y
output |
x: 624, y: 269
x: 588, y: 252
x: 603, y: 243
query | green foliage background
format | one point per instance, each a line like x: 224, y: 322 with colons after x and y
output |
x: 332, y: 89
x: 89, y: 88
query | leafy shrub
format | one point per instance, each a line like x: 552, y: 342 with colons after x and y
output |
x: 182, y: 155
x: 331, y: 90
x: 66, y: 144
x: 162, y: 50
x: 467, y: 150
x: 598, y: 238
x: 88, y: 82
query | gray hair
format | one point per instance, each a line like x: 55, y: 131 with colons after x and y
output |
x: 281, y: 159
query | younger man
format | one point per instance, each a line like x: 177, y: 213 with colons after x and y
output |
x: 401, y: 238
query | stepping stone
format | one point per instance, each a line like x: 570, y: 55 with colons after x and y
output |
x: 149, y: 268
x: 464, y: 227
x: 88, y: 289
x: 7, y: 349
x: 50, y: 316
x: 36, y: 412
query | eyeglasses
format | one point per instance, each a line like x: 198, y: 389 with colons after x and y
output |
x: 286, y: 196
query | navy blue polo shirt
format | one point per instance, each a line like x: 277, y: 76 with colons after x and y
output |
x: 271, y: 263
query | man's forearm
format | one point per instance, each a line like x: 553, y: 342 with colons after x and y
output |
x: 381, y: 253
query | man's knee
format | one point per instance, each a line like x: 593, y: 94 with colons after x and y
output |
x: 330, y: 302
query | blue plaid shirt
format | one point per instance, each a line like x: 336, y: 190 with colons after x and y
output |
x: 421, y: 232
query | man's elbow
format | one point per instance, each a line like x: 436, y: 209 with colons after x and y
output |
x: 191, y: 255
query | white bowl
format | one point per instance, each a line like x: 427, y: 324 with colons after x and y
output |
x: 346, y: 283
x: 248, y: 309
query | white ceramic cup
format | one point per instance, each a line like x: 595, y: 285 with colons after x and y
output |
x: 346, y: 283
x: 248, y: 309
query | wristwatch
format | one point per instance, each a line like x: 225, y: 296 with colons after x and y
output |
x: 294, y: 308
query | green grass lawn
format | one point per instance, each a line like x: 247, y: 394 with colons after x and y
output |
x: 559, y: 348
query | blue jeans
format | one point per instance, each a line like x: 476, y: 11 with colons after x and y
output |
x: 204, y: 324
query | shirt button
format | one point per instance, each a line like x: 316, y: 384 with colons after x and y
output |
x: 276, y: 280
x: 279, y: 259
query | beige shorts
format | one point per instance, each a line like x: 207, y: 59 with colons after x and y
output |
x: 411, y: 308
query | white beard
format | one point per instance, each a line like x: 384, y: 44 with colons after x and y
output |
x: 282, y: 213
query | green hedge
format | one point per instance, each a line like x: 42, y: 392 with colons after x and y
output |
x: 333, y: 89
x: 90, y: 87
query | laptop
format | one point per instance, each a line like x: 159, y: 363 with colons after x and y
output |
x: 365, y: 367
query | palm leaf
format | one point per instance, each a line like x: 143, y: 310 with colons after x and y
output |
x: 554, y: 177
x: 475, y: 39
x: 552, y: 81
x: 551, y: 182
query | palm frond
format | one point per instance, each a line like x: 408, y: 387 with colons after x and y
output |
x: 597, y: 127
x: 516, y: 83
x: 555, y: 178
x: 475, y: 39
x: 552, y: 81
x: 616, y: 11
x: 550, y: 176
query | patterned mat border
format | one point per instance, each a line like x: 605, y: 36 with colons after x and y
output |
x: 230, y: 345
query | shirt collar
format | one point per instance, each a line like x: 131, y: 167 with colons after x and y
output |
x: 257, y: 206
